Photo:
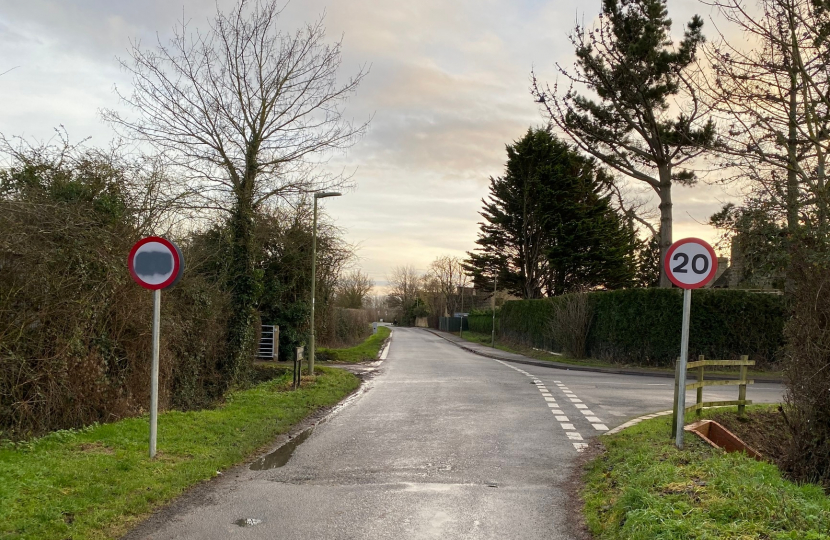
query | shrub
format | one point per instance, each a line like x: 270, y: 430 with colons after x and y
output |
x: 807, y: 372
x: 482, y: 322
x: 570, y: 323
x: 75, y: 330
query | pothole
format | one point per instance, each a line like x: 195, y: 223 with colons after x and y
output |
x: 247, y: 522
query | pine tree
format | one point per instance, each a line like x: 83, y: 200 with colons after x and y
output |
x: 633, y: 74
x: 549, y: 227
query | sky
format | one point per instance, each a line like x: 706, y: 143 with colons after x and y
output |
x: 448, y: 87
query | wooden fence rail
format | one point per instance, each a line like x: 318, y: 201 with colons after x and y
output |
x: 701, y: 382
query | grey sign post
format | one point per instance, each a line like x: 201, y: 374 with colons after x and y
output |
x: 690, y: 264
x: 155, y: 263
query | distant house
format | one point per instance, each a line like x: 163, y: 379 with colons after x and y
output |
x: 735, y: 275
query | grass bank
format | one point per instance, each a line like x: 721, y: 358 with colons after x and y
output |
x: 486, y: 339
x: 642, y: 487
x: 368, y: 350
x: 97, y: 482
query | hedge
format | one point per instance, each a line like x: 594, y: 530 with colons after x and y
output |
x: 642, y: 326
x: 482, y: 322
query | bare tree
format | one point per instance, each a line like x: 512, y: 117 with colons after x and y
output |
x: 774, y: 102
x: 404, y: 287
x: 246, y: 112
x: 352, y: 289
x: 447, y: 275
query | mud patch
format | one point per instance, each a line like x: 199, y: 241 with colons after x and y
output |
x: 764, y: 430
x: 95, y: 448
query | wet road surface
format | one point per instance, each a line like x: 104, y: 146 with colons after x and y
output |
x: 442, y: 444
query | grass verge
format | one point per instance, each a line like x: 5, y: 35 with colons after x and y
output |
x: 97, y: 482
x: 486, y: 339
x: 368, y: 350
x: 642, y: 487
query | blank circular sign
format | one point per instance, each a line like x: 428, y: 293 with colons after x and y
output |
x: 155, y: 263
x: 690, y: 263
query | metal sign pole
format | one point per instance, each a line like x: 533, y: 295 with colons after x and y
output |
x: 681, y: 368
x: 495, y: 288
x: 154, y: 375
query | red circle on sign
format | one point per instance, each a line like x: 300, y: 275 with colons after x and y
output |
x: 174, y: 252
x: 706, y: 279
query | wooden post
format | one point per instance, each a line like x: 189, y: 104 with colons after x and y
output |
x: 742, y: 388
x: 698, y: 412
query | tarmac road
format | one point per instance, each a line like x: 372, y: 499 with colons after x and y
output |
x: 442, y: 444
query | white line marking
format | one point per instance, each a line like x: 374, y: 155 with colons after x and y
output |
x: 581, y: 406
x: 557, y: 382
x: 556, y: 411
x: 580, y: 446
x: 593, y: 419
x: 552, y: 405
x: 636, y: 421
x: 576, y: 400
x: 586, y: 412
x: 568, y: 426
x: 600, y: 427
x: 562, y: 419
x: 574, y: 436
x: 550, y: 399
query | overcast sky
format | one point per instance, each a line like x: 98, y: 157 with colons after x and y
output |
x: 448, y: 88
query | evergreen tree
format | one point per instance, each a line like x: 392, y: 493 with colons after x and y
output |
x: 634, y: 73
x: 549, y: 227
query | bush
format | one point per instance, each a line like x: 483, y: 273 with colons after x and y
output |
x: 75, y: 330
x: 807, y: 372
x: 571, y: 321
x: 642, y: 326
x: 482, y: 322
x: 345, y: 328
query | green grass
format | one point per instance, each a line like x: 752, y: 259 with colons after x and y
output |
x: 368, y: 350
x: 97, y: 482
x: 642, y: 487
x: 486, y: 339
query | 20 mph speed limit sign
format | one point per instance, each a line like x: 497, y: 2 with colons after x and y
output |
x: 690, y: 263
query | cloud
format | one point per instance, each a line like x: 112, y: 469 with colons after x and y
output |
x: 448, y: 89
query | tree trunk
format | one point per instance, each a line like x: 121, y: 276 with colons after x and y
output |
x: 245, y: 291
x: 665, y: 222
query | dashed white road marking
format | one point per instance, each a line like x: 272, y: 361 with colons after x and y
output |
x: 561, y: 417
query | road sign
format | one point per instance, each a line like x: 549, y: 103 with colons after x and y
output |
x: 156, y: 263
x: 690, y: 263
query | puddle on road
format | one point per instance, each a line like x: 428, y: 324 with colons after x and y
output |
x: 281, y: 455
x: 247, y: 522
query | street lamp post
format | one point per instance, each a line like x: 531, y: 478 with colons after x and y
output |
x: 314, y: 274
